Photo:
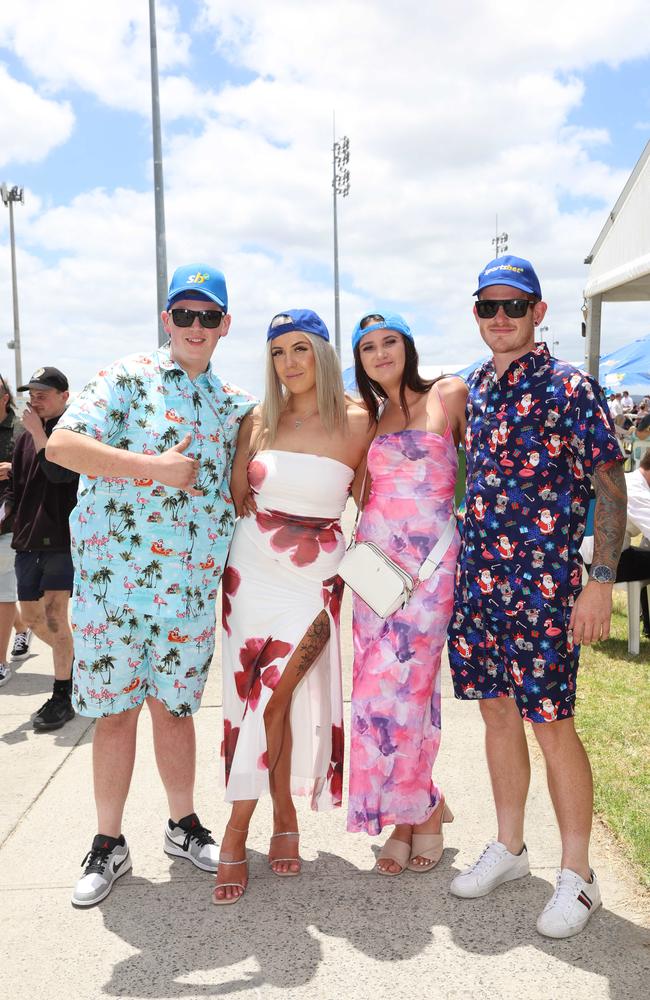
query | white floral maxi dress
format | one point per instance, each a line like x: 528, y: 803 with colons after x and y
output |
x: 281, y: 574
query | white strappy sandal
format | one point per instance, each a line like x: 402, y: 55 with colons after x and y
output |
x: 273, y: 861
x: 222, y: 885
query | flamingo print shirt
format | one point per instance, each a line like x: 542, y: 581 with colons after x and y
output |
x: 533, y: 440
x: 135, y: 542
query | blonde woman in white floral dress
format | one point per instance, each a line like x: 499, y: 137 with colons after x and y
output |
x: 283, y: 711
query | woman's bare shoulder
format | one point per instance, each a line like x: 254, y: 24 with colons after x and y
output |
x: 358, y: 418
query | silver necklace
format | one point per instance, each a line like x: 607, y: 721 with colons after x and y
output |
x: 299, y: 421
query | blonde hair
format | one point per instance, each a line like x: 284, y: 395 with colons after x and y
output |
x: 330, y: 394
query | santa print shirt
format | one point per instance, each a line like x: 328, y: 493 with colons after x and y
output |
x: 533, y: 440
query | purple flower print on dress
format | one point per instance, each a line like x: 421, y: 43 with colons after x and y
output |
x: 402, y: 633
x: 381, y: 723
x: 410, y: 449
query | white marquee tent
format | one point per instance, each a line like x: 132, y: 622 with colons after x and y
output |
x: 620, y: 257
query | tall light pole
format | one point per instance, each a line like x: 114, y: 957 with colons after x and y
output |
x: 159, y: 188
x: 542, y: 330
x: 500, y: 241
x: 9, y: 196
x: 340, y: 188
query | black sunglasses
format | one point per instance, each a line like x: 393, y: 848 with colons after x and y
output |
x: 513, y: 308
x: 208, y: 318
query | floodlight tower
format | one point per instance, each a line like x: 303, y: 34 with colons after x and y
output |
x: 9, y: 197
x: 500, y: 241
x: 340, y: 188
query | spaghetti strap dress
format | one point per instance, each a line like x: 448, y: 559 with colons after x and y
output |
x: 395, y: 714
x: 281, y: 574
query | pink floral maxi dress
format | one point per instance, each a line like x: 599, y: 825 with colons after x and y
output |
x: 281, y: 575
x: 395, y: 717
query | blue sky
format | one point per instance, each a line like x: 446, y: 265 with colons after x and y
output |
x: 542, y: 128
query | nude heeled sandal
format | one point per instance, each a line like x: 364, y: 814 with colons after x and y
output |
x: 222, y: 885
x: 394, y: 850
x: 273, y: 861
x: 429, y: 845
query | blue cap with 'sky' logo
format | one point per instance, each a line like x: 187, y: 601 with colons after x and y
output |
x: 198, y: 281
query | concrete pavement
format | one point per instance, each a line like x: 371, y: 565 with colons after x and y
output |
x: 338, y: 931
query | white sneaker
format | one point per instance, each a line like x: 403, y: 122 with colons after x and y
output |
x: 570, y: 906
x: 5, y: 673
x: 495, y: 865
x: 190, y: 839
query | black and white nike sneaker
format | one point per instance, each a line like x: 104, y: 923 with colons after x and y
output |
x: 189, y: 839
x: 107, y: 860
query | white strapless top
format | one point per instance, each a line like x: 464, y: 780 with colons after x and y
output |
x: 307, y: 485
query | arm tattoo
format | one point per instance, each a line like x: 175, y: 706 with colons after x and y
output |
x: 610, y: 516
x: 312, y: 645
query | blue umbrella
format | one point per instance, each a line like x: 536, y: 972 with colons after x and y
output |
x: 627, y: 368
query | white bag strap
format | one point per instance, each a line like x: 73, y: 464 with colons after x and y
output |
x: 437, y: 554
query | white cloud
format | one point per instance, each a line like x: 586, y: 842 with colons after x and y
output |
x: 455, y: 113
x: 30, y: 125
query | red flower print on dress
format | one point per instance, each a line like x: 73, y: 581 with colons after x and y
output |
x: 335, y: 770
x: 256, y: 474
x: 306, y: 536
x: 333, y: 595
x: 228, y: 745
x: 256, y: 657
x: 229, y: 586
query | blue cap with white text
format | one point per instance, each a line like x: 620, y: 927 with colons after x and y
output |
x: 198, y: 281
x: 512, y: 271
x: 305, y: 320
x: 389, y: 321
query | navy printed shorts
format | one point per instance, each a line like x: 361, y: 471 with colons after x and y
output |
x: 527, y: 655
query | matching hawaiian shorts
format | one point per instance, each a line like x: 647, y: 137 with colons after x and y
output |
x: 528, y: 657
x: 123, y: 656
x: 37, y: 572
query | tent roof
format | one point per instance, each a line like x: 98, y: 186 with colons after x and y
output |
x: 628, y: 368
x: 620, y: 257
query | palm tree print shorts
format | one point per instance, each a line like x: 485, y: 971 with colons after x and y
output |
x: 127, y: 656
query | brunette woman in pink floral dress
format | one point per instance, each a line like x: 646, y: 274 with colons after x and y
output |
x: 282, y: 702
x: 395, y: 719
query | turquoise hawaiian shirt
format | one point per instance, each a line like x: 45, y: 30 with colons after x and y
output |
x: 135, y: 542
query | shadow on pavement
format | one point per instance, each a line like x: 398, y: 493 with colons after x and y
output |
x: 180, y: 935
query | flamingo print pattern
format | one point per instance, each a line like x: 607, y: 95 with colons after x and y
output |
x: 148, y: 556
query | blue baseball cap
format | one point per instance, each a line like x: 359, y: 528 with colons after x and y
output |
x: 305, y: 320
x: 509, y: 270
x: 198, y: 281
x: 390, y: 321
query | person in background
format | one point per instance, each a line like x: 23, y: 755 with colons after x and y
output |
x: 10, y: 428
x: 40, y: 495
x: 627, y: 403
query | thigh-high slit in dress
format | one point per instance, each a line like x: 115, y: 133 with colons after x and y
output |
x: 281, y: 576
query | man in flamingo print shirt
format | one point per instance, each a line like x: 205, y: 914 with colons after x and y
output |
x: 153, y: 437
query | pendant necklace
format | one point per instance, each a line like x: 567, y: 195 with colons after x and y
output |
x: 299, y: 421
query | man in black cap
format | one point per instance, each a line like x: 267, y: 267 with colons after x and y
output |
x: 41, y: 496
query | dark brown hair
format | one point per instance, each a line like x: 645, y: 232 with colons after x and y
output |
x: 6, y: 391
x: 371, y: 392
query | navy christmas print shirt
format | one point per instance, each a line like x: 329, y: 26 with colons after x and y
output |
x: 534, y: 438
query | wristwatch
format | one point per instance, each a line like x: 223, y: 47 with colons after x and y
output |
x: 602, y: 574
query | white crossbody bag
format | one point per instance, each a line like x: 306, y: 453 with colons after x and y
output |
x: 376, y: 579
